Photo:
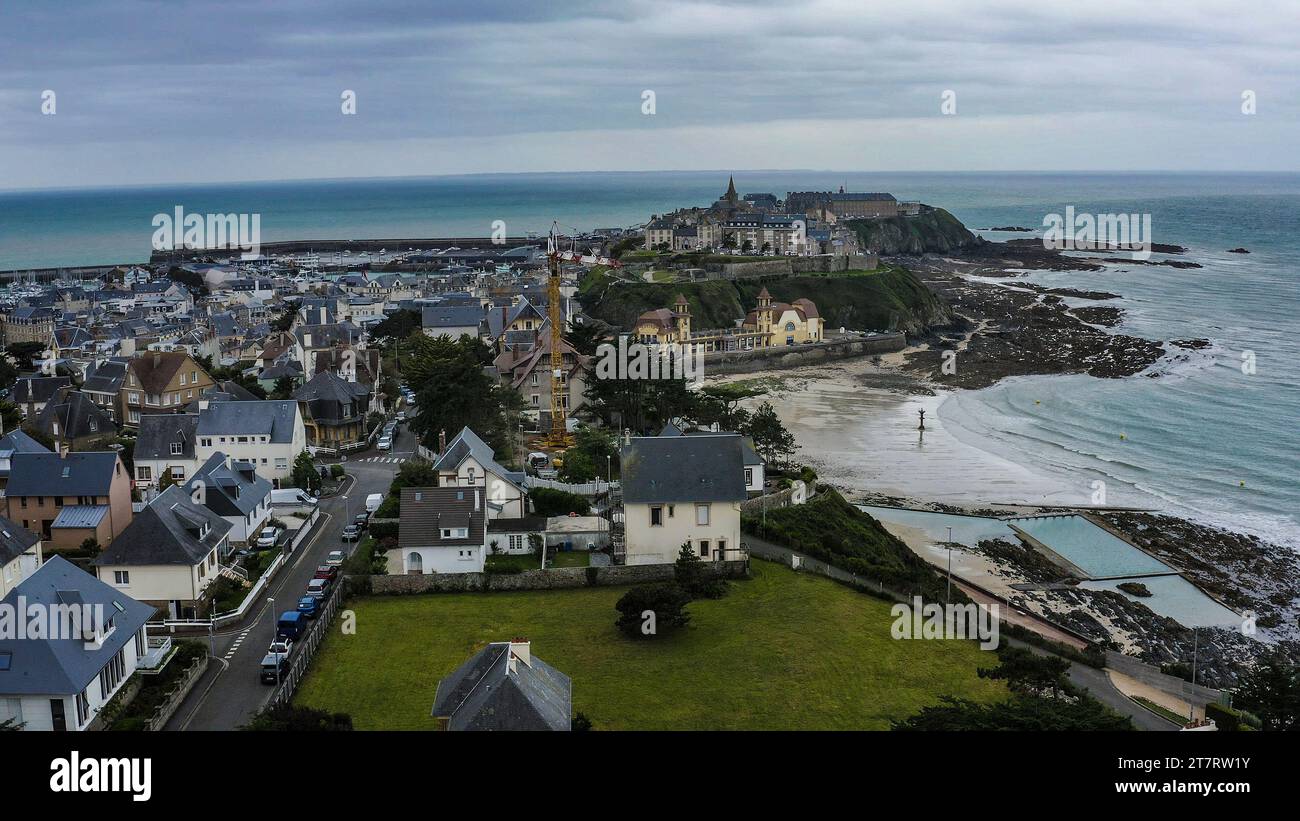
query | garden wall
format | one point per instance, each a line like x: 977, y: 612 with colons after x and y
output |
x: 555, y: 578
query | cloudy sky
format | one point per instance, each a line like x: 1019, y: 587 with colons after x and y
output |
x: 178, y: 91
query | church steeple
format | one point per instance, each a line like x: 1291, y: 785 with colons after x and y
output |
x: 731, y: 190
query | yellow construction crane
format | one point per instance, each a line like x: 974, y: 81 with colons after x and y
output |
x: 559, y: 436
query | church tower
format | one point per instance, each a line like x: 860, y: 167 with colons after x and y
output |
x: 731, y: 195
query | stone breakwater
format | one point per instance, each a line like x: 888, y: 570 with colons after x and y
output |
x: 761, y: 359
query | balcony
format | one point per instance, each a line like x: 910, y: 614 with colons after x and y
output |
x: 156, y: 651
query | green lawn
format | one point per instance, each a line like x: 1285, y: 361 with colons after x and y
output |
x: 781, y: 651
x: 530, y: 561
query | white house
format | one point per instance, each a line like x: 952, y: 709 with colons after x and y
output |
x: 468, y: 461
x: 442, y: 530
x: 63, y: 683
x: 679, y: 490
x: 268, y: 434
x: 233, y: 490
x: 168, y: 555
x: 165, y: 445
x: 20, y: 554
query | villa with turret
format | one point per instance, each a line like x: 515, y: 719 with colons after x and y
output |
x: 769, y: 325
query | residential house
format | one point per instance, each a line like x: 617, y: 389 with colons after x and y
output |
x: 103, y: 384
x: 20, y: 554
x: 451, y: 321
x: 32, y: 393
x: 63, y: 683
x: 468, y: 461
x: 168, y: 555
x: 679, y: 490
x: 232, y: 489
x: 165, y: 444
x: 69, y: 498
x: 442, y: 530
x: 785, y: 324
x: 504, y: 687
x: 161, y: 383
x: 311, y: 340
x: 513, y: 536
x: 529, y: 373
x: 334, y: 411
x: 73, y: 421
x: 267, y: 433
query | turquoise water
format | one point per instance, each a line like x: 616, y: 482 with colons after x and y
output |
x: 1093, y: 550
x: 1204, y: 440
x: 1177, y: 598
x: 967, y: 530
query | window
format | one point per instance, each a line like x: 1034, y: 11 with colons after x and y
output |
x: 133, y: 416
x: 722, y: 549
x: 455, y: 533
x: 176, y: 448
x: 133, y: 398
x: 704, y: 548
x: 83, y: 708
x: 516, y: 541
x: 178, y: 472
x: 701, y: 514
x: 143, y: 472
x: 58, y: 721
x: 121, y: 577
x: 749, y: 476
x: 536, y: 399
x: 656, y: 516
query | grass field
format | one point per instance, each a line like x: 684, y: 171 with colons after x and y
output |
x: 531, y: 561
x: 781, y: 651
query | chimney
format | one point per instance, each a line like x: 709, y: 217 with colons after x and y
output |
x: 521, y: 648
x: 442, y: 441
x: 203, y: 404
x: 306, y: 340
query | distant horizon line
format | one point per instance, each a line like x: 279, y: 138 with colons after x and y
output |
x: 676, y: 171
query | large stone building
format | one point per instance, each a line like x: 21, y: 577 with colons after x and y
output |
x: 769, y: 325
x: 841, y: 204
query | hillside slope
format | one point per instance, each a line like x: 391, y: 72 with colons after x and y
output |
x: 935, y: 231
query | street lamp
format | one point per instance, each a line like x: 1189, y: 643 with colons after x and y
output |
x: 270, y: 601
x: 948, y: 595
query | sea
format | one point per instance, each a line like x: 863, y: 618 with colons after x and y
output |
x: 1214, y: 436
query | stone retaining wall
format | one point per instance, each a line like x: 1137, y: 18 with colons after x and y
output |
x: 761, y: 359
x: 552, y: 579
x: 789, y: 266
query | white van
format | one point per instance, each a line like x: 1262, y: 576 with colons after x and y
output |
x: 292, y: 497
x: 373, y: 501
x: 385, y: 444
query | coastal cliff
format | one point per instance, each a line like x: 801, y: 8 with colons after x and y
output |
x: 932, y: 231
x: 886, y: 299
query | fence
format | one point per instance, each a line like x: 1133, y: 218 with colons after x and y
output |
x: 1196, y: 694
x: 583, y: 489
x: 304, y: 648
x: 554, y: 578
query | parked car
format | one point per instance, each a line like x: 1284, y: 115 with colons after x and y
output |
x: 361, y: 520
x: 328, y: 572
x: 335, y: 558
x: 291, y: 624
x: 401, y: 416
x: 268, y: 537
x: 351, y: 533
x: 275, y: 667
x: 308, y: 606
x: 373, y: 501
x: 318, y: 588
x: 281, y: 645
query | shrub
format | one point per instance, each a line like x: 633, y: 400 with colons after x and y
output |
x: 653, y: 610
x: 336, y: 471
x: 383, y: 530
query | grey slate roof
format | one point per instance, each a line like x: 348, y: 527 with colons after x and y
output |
x: 703, y: 468
x: 64, y: 666
x: 466, y: 444
x: 166, y: 532
x: 37, y: 388
x: 158, y: 431
x: 81, y: 473
x: 107, y: 377
x: 426, y: 510
x: 451, y: 316
x: 233, y: 490
x: 77, y: 416
x: 259, y: 417
x: 15, y: 540
x: 492, y: 691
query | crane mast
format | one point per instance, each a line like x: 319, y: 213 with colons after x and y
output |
x: 559, y: 436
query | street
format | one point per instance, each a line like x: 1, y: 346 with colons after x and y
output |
x: 230, y: 692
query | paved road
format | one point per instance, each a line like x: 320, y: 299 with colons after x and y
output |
x: 230, y: 692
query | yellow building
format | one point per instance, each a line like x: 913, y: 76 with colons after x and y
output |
x: 770, y: 324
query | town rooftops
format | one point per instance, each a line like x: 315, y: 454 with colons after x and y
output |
x: 82, y: 473
x: 468, y: 444
x: 37, y: 388
x: 154, y: 371
x: 504, y: 687
x: 64, y: 666
x: 234, y: 489
x: 171, y: 529
x: 700, y: 468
